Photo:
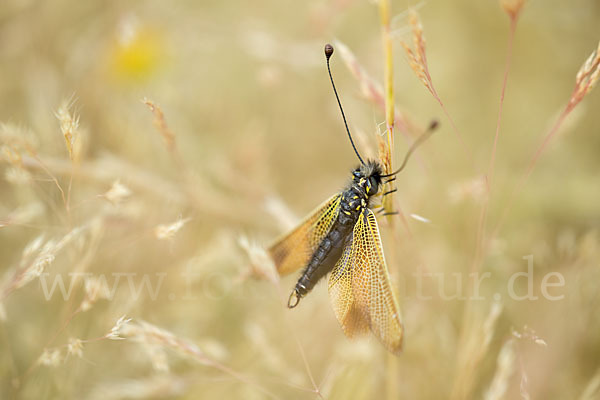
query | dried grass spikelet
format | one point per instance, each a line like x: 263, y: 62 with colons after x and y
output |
x: 472, y: 189
x: 11, y: 155
x: 51, y: 357
x: 150, y: 336
x: 117, y: 193
x: 512, y: 7
x: 163, y: 231
x: 75, y: 347
x: 161, y: 124
x: 261, y: 264
x: 44, y: 256
x: 586, y: 78
x: 17, y: 138
x: 117, y: 331
x: 17, y: 176
x: 10, y: 152
x: 417, y: 57
x: 95, y: 289
x: 36, y: 257
x: 529, y: 334
x: 505, y: 366
x: 69, y: 126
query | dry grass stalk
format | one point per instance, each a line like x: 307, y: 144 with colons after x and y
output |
x: 161, y: 125
x: 155, y: 386
x: 372, y: 90
x: 505, y: 366
x: 149, y: 336
x: 23, y: 215
x: 513, y: 8
x: 55, y: 356
x: 474, y: 344
x: 385, y: 146
x: 585, y: 80
x: 592, y: 389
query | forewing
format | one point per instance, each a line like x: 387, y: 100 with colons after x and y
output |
x: 342, y: 297
x: 371, y: 286
x: 293, y: 250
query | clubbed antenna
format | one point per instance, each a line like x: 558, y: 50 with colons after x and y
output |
x: 417, y: 143
x: 328, y: 53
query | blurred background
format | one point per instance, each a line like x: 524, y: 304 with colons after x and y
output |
x: 152, y: 150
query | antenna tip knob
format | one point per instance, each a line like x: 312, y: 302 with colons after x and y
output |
x: 434, y: 124
x: 328, y: 50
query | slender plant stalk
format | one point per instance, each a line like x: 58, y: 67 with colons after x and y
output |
x: 386, y: 146
x: 462, y: 387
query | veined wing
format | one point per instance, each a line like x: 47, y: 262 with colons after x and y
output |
x: 360, y: 287
x: 342, y: 296
x: 293, y: 250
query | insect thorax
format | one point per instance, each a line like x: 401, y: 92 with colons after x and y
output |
x: 366, y: 182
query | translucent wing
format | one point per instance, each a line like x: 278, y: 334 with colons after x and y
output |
x: 343, y: 300
x: 360, y: 287
x: 293, y: 250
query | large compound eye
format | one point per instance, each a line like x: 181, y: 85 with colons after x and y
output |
x: 374, y: 185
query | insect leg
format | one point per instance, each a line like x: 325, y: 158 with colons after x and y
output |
x: 390, y: 192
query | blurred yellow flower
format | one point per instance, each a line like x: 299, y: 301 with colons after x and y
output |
x: 137, y: 53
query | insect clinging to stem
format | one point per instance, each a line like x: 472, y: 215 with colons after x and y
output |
x: 342, y: 237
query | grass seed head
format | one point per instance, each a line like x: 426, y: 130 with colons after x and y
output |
x: 69, y: 126
x: 512, y: 7
x: 51, y: 357
x: 75, y: 347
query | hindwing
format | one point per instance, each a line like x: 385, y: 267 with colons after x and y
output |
x: 294, y: 250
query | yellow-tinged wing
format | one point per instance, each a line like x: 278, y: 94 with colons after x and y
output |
x: 342, y: 296
x: 360, y: 287
x: 293, y: 250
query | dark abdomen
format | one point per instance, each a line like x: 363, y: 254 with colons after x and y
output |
x: 326, y: 256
